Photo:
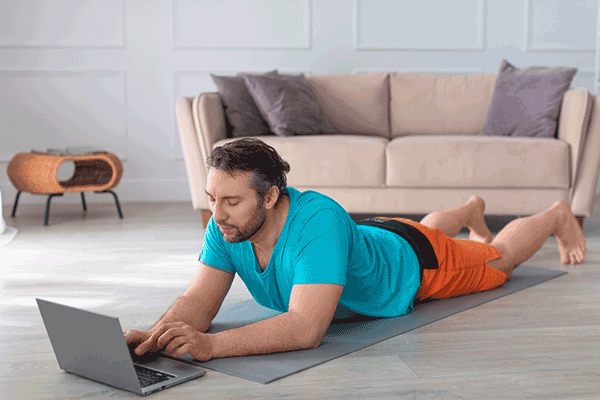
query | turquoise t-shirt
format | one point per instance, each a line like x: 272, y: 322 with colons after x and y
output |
x: 320, y: 243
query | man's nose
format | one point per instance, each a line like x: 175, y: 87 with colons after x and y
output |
x: 219, y: 214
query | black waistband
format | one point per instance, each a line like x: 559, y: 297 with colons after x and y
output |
x: 417, y: 240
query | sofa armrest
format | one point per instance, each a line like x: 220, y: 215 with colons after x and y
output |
x: 201, y: 123
x: 191, y: 152
x: 584, y: 187
x: 209, y: 120
x: 573, y: 125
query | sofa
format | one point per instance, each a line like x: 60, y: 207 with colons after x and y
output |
x: 410, y: 144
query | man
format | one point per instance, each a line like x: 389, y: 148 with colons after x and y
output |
x: 301, y: 253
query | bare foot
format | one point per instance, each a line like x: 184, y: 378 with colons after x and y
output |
x: 569, y: 236
x: 476, y: 223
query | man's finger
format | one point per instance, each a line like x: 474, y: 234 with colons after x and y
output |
x: 152, y: 338
x: 146, y: 344
x: 175, y: 343
x: 132, y: 338
x: 182, y: 350
x: 160, y: 331
x: 168, y: 336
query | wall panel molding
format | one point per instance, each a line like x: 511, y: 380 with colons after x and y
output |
x: 284, y: 32
x: 561, y: 26
x: 54, y: 109
x: 57, y: 24
x: 413, y: 34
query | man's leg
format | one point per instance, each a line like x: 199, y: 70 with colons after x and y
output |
x: 469, y: 215
x: 523, y: 237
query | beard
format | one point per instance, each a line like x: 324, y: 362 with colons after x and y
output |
x: 248, y: 230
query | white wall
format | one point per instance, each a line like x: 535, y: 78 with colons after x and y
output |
x: 107, y: 72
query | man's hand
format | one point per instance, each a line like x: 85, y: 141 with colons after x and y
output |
x: 177, y: 337
x: 135, y: 338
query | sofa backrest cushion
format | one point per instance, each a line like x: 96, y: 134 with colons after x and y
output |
x: 331, y: 161
x: 355, y: 104
x: 439, y: 104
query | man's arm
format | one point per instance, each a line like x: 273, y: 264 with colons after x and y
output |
x: 201, y: 301
x: 196, y: 307
x: 310, y: 312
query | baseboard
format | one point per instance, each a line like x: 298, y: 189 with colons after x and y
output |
x: 128, y: 192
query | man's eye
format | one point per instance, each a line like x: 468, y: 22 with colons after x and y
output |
x: 232, y: 204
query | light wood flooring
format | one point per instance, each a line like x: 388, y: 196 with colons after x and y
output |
x: 540, y: 343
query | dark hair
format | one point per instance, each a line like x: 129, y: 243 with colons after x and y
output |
x: 255, y: 156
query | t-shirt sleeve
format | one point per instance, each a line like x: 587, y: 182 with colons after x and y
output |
x: 323, y: 249
x: 214, y: 252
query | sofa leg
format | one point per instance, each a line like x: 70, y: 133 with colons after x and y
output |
x: 580, y: 220
x: 206, y: 214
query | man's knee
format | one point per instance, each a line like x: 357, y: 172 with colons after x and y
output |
x: 501, y: 248
x: 504, y: 262
x: 430, y: 219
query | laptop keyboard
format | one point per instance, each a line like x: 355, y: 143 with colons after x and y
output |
x: 149, y: 376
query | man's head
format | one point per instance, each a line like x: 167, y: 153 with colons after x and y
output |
x: 245, y: 181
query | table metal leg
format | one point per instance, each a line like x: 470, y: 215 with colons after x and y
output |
x: 116, y: 201
x: 48, y: 207
x: 83, y: 202
x: 15, y: 205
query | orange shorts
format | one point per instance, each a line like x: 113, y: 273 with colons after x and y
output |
x: 462, y: 266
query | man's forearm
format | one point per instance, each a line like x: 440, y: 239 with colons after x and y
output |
x: 185, y: 310
x: 284, y: 332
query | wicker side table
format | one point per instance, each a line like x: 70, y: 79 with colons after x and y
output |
x: 37, y: 174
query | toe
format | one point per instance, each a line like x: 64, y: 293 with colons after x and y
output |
x: 572, y: 258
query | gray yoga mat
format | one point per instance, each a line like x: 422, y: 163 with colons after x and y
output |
x: 349, y: 332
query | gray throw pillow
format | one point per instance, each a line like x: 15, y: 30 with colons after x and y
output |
x: 526, y: 102
x: 288, y: 105
x: 240, y: 109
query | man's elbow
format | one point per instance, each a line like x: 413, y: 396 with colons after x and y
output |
x: 315, y: 343
x: 310, y: 340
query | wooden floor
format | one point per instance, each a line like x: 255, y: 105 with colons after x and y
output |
x: 540, y: 343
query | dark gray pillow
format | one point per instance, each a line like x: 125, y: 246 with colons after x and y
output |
x: 288, y: 105
x: 240, y: 109
x: 526, y: 102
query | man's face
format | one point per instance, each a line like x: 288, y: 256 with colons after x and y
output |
x: 234, y: 205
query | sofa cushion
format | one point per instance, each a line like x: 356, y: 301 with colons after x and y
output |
x: 526, y: 102
x: 439, y: 104
x: 478, y: 162
x: 331, y: 160
x: 288, y: 105
x: 240, y: 108
x: 354, y: 103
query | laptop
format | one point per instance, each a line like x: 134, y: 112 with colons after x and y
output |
x: 92, y: 345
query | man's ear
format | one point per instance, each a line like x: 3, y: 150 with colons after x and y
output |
x: 271, y: 197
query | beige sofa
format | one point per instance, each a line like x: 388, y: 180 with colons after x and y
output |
x: 412, y: 144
